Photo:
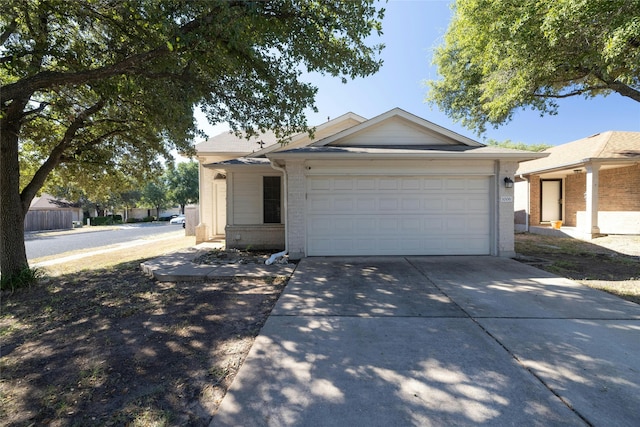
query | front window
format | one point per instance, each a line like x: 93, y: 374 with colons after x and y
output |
x: 271, y: 199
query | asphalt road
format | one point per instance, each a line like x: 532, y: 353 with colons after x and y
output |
x: 42, y: 244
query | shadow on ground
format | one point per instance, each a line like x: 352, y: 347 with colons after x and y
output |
x: 112, y: 347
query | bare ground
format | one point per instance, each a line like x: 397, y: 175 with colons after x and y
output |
x: 113, y: 347
x: 610, y: 263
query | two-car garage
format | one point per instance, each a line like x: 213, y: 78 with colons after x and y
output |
x: 398, y: 215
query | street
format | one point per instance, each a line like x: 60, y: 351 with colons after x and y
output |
x: 47, y: 243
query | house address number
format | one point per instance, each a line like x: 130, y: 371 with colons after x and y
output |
x: 506, y: 199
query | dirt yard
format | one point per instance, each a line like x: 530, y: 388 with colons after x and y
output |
x: 113, y: 347
x: 610, y: 263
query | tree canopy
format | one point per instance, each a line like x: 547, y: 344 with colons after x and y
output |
x: 499, y: 56
x: 94, y: 86
x: 182, y: 184
x: 517, y: 145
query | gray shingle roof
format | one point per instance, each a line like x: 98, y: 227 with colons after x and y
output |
x: 228, y: 142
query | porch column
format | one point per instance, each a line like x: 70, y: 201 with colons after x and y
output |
x: 201, y: 229
x: 591, y: 195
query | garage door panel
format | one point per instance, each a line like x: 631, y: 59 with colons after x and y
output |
x: 478, y: 204
x: 455, y: 184
x: 397, y: 215
x: 455, y: 205
x: 366, y: 184
x: 432, y: 183
x: 366, y: 204
x: 343, y: 204
x: 411, y: 204
x: 387, y: 184
x: 411, y: 184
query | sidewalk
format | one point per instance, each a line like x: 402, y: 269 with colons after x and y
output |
x: 179, y: 266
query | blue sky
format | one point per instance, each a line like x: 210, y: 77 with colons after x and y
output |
x: 412, y: 29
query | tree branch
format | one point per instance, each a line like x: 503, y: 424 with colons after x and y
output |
x: 39, y: 178
x: 42, y: 106
x: 137, y: 62
x: 570, y: 94
x: 7, y: 33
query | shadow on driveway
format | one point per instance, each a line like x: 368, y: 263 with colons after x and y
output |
x: 439, y: 341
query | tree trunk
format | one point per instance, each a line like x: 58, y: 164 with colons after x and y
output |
x: 13, y: 256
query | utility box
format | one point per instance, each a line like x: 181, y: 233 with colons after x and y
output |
x: 192, y: 218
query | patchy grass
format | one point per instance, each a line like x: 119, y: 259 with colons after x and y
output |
x: 100, y: 343
x: 113, y: 347
x: 113, y: 256
x: 605, y: 268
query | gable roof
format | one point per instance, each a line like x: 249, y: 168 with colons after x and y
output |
x: 330, y: 127
x: 394, y: 134
x: 611, y: 146
x: 228, y: 142
x: 420, y: 132
x: 47, y: 201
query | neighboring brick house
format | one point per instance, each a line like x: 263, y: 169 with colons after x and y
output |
x: 592, y: 185
x: 395, y: 184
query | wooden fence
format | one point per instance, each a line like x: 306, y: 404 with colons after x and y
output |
x: 48, y: 220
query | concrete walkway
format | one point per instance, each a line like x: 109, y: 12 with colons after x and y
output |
x: 439, y: 341
x: 178, y: 266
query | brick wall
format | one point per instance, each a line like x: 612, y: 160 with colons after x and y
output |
x: 505, y: 243
x: 268, y: 236
x: 534, y: 200
x: 574, y: 188
x: 296, y: 188
x: 619, y: 189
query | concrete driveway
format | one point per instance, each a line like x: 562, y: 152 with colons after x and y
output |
x: 439, y: 341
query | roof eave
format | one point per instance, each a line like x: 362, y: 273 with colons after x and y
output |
x: 581, y: 163
x: 404, y: 156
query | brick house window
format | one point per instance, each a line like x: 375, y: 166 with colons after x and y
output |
x: 271, y: 199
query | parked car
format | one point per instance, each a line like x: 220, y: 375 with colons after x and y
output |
x: 177, y: 220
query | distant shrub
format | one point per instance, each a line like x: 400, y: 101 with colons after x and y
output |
x: 101, y: 220
x: 148, y: 219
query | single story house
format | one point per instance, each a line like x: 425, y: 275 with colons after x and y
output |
x: 395, y: 184
x: 592, y: 185
x: 213, y: 184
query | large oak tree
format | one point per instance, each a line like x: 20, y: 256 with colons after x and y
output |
x: 502, y: 55
x: 93, y: 86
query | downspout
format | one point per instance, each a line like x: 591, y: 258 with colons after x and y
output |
x: 277, y: 255
x: 526, y: 214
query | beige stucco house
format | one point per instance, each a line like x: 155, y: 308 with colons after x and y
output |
x: 395, y: 184
x: 592, y: 185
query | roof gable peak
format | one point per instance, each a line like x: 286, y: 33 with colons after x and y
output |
x: 399, y: 126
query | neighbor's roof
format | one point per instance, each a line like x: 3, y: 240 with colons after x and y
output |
x: 610, y: 145
x: 47, y: 201
x: 228, y: 142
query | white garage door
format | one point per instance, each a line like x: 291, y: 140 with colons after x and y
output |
x: 380, y: 215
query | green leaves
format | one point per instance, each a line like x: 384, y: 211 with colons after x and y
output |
x: 500, y: 56
x: 93, y: 89
x: 182, y: 183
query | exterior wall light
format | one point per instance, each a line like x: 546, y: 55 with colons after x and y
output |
x: 508, y: 182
